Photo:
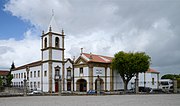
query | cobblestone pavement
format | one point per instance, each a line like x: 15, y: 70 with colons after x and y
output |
x: 114, y: 100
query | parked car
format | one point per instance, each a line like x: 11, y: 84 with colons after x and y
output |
x: 157, y: 91
x: 36, y: 92
x: 91, y: 92
x: 145, y: 89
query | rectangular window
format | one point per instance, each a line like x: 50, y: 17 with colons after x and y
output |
x: 38, y: 84
x: 21, y: 75
x: 152, y: 81
x: 56, y: 72
x: 16, y: 75
x: 31, y: 74
x: 38, y: 73
x: 35, y: 85
x: 81, y: 70
x: 68, y: 73
x: 31, y: 85
x: 98, y: 71
x: 45, y: 73
x: 24, y: 75
x: 34, y: 73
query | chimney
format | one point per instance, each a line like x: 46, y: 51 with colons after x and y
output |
x: 90, y: 56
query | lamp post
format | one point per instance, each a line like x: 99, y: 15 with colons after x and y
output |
x: 25, y: 88
x: 25, y: 81
x: 98, y: 85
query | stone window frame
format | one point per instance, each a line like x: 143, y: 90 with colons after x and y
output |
x: 34, y: 74
x: 45, y: 73
x: 57, y: 42
x: 45, y: 42
x: 38, y: 73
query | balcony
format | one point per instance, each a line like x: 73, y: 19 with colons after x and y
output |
x: 68, y: 77
x: 56, y: 77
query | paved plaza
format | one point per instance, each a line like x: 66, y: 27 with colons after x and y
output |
x: 111, y: 100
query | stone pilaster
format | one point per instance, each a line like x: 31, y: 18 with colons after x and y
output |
x: 50, y: 62
x: 105, y: 78
x: 63, y: 68
x: 111, y: 80
x: 90, y: 77
x: 158, y: 81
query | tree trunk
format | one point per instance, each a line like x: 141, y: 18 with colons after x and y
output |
x: 125, y: 86
x: 137, y: 83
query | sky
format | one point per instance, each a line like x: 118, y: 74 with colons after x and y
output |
x: 101, y: 27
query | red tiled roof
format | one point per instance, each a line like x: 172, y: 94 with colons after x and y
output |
x: 151, y: 71
x: 4, y: 72
x: 97, y: 58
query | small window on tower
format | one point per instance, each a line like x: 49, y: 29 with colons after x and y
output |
x: 45, y: 42
x: 56, y: 42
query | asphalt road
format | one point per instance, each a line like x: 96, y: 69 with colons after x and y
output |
x: 111, y: 100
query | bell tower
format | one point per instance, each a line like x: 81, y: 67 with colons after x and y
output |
x: 52, y: 52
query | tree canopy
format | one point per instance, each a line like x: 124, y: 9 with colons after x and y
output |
x: 170, y: 76
x: 129, y: 64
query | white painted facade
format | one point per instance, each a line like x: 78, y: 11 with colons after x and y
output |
x: 43, y: 74
x: 79, y: 76
x: 147, y: 79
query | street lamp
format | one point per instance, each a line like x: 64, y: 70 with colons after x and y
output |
x: 25, y: 81
x: 98, y: 85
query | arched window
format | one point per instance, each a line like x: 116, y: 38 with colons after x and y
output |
x: 45, y: 42
x: 56, y: 42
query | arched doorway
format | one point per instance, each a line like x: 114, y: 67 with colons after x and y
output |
x: 81, y: 85
x: 101, y: 84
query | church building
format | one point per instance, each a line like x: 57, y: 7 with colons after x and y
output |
x: 79, y: 75
x: 44, y: 74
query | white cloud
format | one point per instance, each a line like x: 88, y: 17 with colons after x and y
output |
x: 20, y: 51
x: 105, y: 27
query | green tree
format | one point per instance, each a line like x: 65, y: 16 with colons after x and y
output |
x: 9, y: 79
x: 10, y: 76
x: 170, y: 76
x: 129, y: 64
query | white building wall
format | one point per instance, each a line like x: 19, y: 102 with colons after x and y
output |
x: 55, y: 64
x: 84, y: 76
x: 45, y: 78
x: 18, y: 81
x: 45, y: 55
x: 118, y: 82
x: 57, y: 55
x: 108, y: 78
x: 98, y: 71
x: 35, y: 78
x: 67, y: 65
x: 148, y: 80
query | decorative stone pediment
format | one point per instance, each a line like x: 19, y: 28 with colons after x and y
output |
x: 80, y: 60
